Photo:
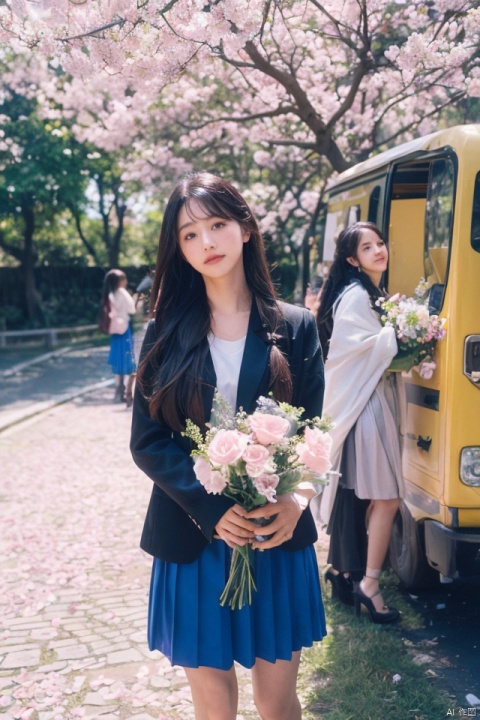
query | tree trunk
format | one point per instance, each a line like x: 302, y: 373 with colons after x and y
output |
x: 78, y: 223
x: 32, y: 296
x: 310, y: 233
x: 112, y: 243
x: 114, y: 248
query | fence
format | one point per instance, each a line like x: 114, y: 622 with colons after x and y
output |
x: 48, y: 337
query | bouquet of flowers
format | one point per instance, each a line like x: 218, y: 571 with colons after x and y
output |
x: 253, y: 459
x: 417, y: 331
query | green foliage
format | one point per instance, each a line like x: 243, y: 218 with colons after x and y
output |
x: 284, y: 271
x: 140, y: 245
x: 57, y: 243
x: 40, y: 159
x: 11, y: 316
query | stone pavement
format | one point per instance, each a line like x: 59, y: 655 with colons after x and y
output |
x: 73, y: 581
x: 44, y: 380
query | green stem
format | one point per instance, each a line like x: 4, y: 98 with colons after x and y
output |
x: 240, y: 584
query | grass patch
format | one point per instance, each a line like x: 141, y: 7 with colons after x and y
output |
x: 351, y: 672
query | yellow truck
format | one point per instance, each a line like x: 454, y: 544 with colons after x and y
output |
x: 425, y: 196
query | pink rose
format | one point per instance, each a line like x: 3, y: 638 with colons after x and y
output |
x: 227, y: 447
x: 255, y: 457
x: 212, y: 480
x: 266, y: 484
x: 314, y: 453
x: 269, y: 429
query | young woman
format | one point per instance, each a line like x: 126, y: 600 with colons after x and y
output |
x: 217, y: 324
x: 121, y: 356
x: 360, y: 397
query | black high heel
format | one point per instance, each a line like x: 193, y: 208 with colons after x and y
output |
x: 342, y: 587
x: 381, y: 618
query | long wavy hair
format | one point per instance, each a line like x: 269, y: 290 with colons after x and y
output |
x: 341, y: 274
x: 170, y: 372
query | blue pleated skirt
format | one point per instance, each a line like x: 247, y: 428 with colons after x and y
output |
x: 121, y: 356
x: 187, y: 623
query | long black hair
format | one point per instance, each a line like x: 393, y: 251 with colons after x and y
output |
x: 341, y: 274
x: 111, y: 281
x: 170, y: 372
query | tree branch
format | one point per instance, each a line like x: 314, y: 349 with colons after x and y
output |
x: 88, y: 245
x: 337, y: 24
x: 295, y: 143
x: 324, y: 143
x: 455, y: 98
x: 242, y: 119
x: 117, y: 20
x: 360, y: 71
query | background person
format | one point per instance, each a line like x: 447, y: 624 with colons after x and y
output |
x: 217, y: 324
x: 360, y: 397
x: 121, y: 356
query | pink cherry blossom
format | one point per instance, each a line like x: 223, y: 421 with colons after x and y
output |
x: 111, y: 58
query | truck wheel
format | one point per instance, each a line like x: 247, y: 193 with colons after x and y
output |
x: 407, y: 552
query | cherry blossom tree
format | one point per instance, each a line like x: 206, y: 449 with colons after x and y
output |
x: 334, y: 78
x: 192, y: 83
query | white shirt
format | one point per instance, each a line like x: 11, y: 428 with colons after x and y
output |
x: 123, y: 304
x: 227, y: 359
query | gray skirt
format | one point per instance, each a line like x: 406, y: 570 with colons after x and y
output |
x: 371, y: 457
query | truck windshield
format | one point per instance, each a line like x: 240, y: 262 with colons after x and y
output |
x: 475, y: 234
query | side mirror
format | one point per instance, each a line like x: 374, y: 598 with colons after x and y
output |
x: 435, y: 298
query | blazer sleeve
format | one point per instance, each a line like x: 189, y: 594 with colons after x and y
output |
x: 158, y: 453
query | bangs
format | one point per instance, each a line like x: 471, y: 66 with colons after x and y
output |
x: 215, y: 205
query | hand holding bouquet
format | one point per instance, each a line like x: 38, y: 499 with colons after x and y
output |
x: 252, y: 459
x: 417, y: 331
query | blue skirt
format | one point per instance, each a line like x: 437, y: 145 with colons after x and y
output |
x: 121, y: 356
x: 187, y: 623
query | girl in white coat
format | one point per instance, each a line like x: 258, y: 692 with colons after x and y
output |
x: 360, y: 505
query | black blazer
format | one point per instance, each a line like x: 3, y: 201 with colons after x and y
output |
x: 181, y: 515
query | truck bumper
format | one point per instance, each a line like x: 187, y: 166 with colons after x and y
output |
x: 454, y: 553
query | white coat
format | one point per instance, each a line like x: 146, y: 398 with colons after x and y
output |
x: 360, y: 351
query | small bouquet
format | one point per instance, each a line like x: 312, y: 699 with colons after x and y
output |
x: 253, y: 459
x: 417, y: 331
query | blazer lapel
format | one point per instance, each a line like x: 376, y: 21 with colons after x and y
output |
x: 209, y: 383
x: 254, y: 366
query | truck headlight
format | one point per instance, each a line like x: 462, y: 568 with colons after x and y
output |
x: 470, y: 466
